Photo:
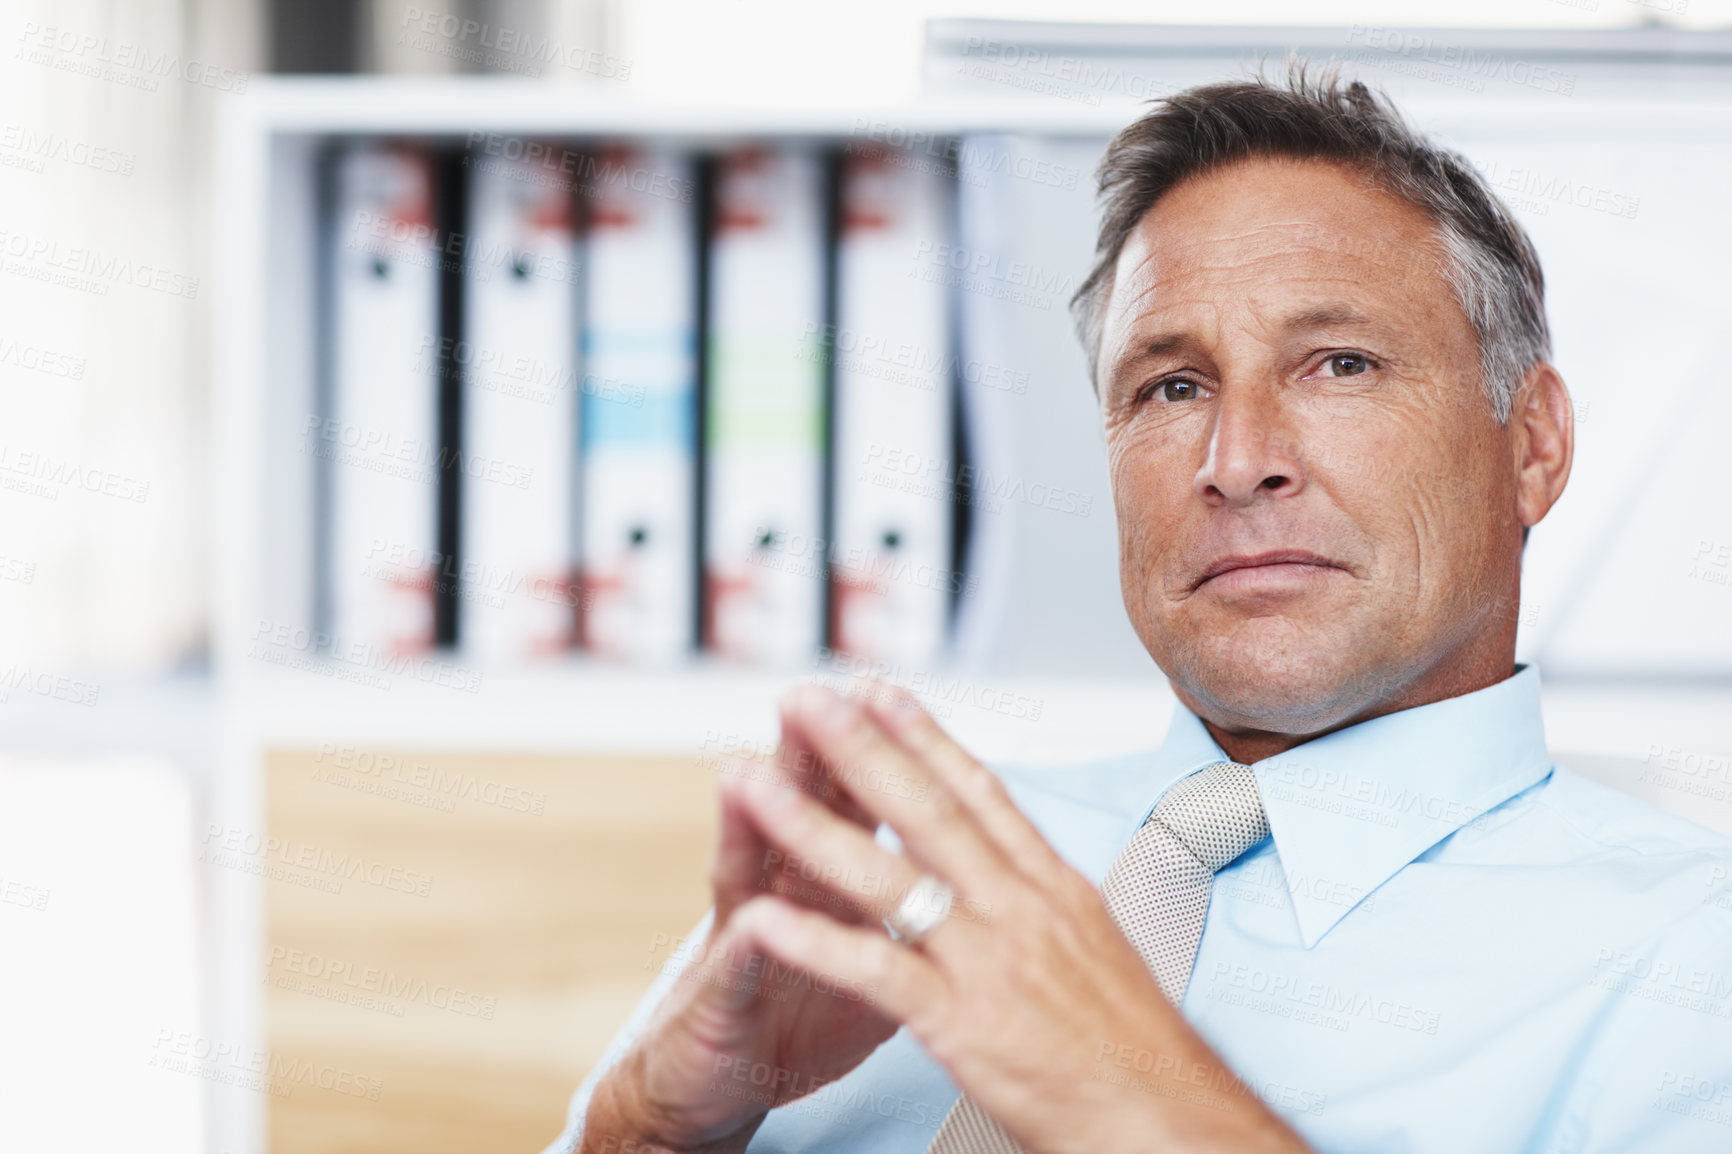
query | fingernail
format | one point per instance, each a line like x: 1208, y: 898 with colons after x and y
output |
x: 905, y: 705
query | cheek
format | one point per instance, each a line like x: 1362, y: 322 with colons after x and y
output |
x: 1149, y: 495
x: 1415, y: 480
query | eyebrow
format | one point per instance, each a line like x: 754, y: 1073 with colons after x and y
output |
x: 1323, y: 316
x: 1165, y: 343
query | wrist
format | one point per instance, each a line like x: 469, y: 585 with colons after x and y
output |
x: 619, y: 1121
x: 613, y: 1124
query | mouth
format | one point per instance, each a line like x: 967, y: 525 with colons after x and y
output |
x: 1274, y: 568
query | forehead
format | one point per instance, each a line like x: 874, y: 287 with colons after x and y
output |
x: 1272, y: 234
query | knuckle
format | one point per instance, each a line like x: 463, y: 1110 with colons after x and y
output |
x: 874, y: 962
x: 946, y: 806
x: 851, y: 727
x: 919, y: 730
x: 751, y: 912
x: 1055, y: 947
x: 981, y: 782
x: 1076, y: 891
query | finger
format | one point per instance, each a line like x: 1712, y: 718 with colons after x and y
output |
x: 737, y: 868
x: 894, y: 787
x: 749, y: 861
x: 825, y: 862
x: 796, y: 755
x: 976, y: 786
x: 899, y: 982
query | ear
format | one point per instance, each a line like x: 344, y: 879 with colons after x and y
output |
x: 1543, y: 440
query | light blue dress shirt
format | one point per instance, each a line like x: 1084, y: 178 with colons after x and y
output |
x: 1448, y: 944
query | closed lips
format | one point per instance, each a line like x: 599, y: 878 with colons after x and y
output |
x: 1256, y: 560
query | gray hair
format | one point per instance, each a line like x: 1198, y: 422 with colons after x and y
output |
x: 1489, y: 262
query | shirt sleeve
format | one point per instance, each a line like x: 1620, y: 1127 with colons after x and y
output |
x: 572, y: 1135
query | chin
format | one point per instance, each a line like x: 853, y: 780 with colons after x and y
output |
x: 1270, y: 673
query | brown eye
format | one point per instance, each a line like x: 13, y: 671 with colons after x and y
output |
x: 1177, y: 390
x: 1347, y: 364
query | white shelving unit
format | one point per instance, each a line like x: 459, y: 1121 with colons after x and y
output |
x: 266, y: 232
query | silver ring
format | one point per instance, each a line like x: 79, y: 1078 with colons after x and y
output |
x: 925, y: 905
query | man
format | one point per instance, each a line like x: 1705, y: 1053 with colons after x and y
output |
x: 1350, y: 904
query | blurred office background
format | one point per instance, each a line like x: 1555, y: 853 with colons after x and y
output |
x: 386, y: 564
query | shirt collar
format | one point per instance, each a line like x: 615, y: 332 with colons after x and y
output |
x: 1350, y: 809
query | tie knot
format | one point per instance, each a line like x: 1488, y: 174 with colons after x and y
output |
x: 1216, y: 812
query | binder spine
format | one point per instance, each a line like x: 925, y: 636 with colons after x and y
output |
x: 521, y: 385
x: 380, y: 439
x: 451, y: 219
x: 639, y: 408
x: 763, y: 544
x: 892, y: 579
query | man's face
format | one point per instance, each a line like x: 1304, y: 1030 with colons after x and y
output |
x: 1316, y: 506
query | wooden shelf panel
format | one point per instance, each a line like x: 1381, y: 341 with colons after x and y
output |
x: 476, y: 955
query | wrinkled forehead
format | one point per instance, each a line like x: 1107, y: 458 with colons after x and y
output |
x: 1268, y: 235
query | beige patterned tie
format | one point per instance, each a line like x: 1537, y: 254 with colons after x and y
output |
x: 1158, y: 893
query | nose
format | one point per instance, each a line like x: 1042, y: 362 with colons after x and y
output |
x: 1253, y: 451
